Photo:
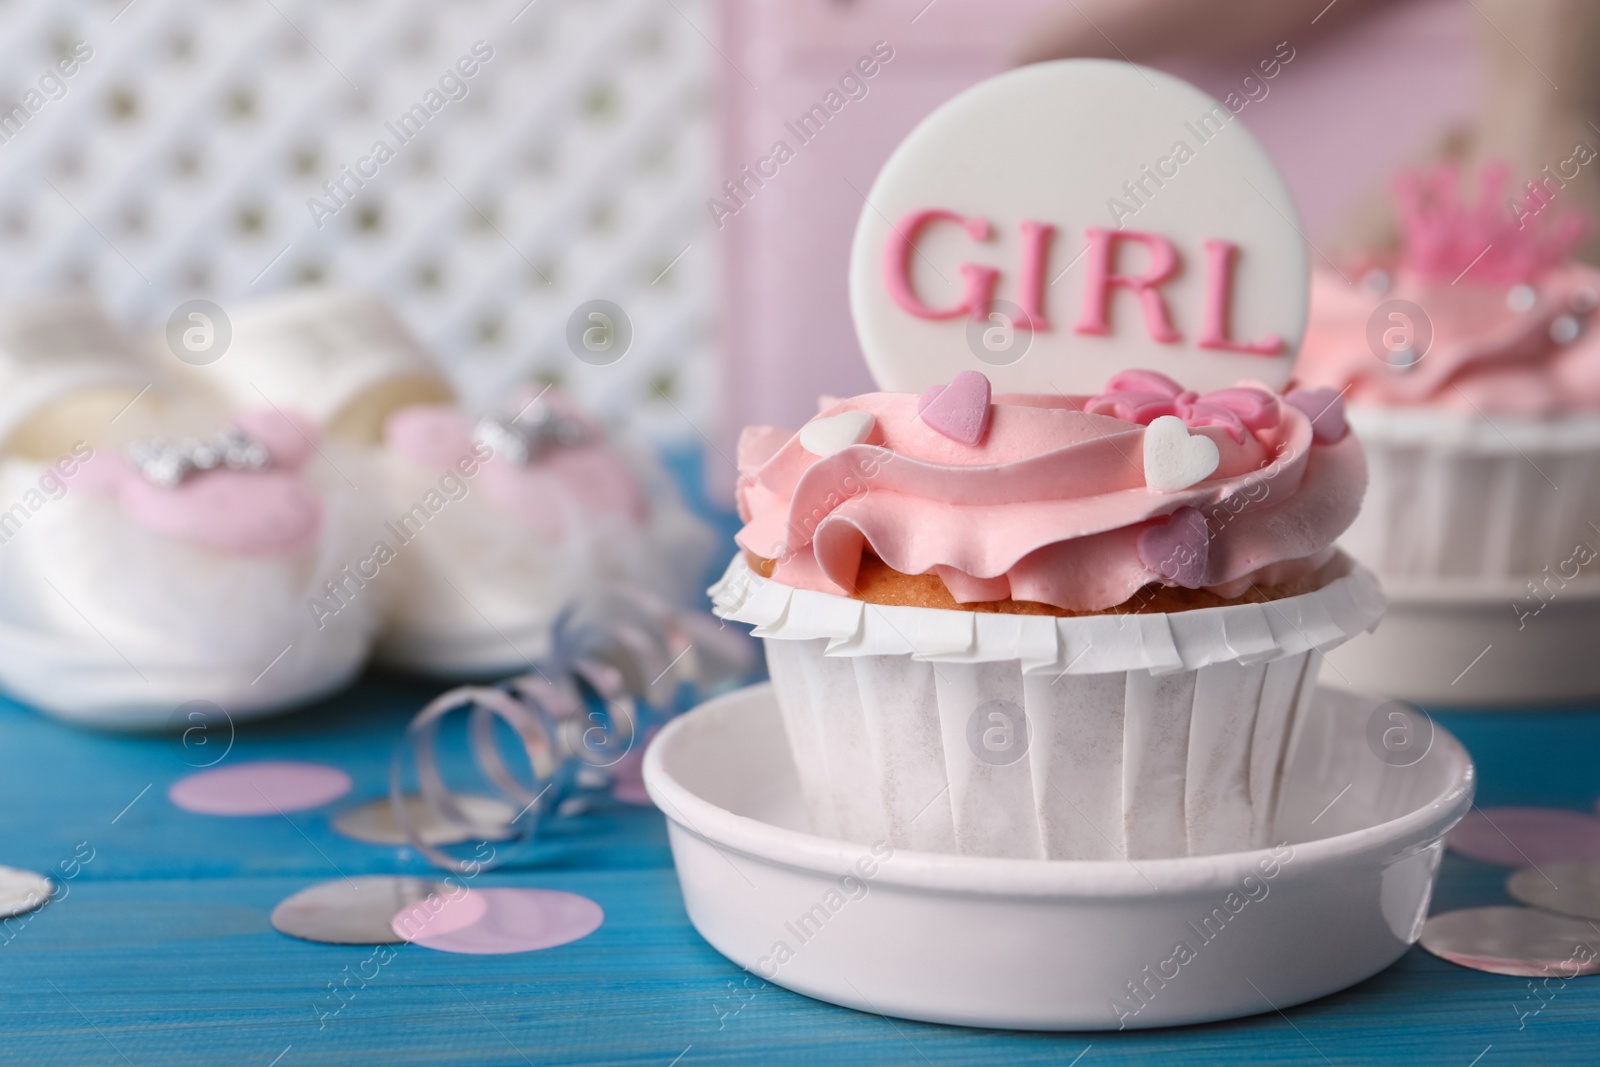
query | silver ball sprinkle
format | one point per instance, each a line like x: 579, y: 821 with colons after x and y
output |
x: 1583, y: 300
x: 1564, y: 329
x: 1376, y: 280
x: 1522, y: 298
x: 166, y: 470
x: 167, y: 465
x: 1403, y: 359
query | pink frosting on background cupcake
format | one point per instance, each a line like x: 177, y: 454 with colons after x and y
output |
x: 1499, y: 319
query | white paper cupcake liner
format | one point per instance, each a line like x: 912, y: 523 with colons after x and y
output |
x: 1098, y: 737
x: 1463, y: 497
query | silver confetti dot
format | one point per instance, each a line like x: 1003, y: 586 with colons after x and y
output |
x: 1376, y: 280
x: 1568, y: 888
x: 488, y: 819
x: 1522, y: 298
x: 1583, y: 300
x: 353, y: 911
x: 1523, y: 942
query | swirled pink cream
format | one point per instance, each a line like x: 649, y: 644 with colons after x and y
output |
x: 1528, y: 349
x: 1483, y: 310
x: 1046, y: 498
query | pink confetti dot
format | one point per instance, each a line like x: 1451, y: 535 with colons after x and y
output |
x: 437, y: 916
x: 507, y: 920
x: 265, y: 787
x: 1517, y: 837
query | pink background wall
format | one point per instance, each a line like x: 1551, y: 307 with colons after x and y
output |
x: 1354, y: 102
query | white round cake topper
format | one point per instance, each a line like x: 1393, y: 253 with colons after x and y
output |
x: 1066, y: 221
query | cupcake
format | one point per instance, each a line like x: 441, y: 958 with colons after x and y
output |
x: 1473, y: 379
x: 1047, y: 626
x: 1061, y: 589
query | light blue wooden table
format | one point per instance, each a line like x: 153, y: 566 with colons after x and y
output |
x: 161, y: 951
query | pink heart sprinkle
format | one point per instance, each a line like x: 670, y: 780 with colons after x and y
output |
x: 1325, y: 409
x: 1179, y: 550
x: 960, y: 410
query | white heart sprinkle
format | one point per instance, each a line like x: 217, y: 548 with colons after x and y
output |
x: 1174, y: 459
x: 824, y: 437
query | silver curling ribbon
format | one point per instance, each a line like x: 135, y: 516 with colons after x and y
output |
x: 620, y: 664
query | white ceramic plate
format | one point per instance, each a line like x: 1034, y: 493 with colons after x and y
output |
x: 1466, y: 644
x: 1057, y: 945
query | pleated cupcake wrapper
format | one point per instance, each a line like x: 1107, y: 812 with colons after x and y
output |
x: 1100, y: 737
x: 1464, y: 497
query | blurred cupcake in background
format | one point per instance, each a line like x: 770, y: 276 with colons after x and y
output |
x: 1471, y: 372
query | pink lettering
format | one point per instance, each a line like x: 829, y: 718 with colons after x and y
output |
x: 1101, y: 280
x: 1219, y: 302
x: 980, y: 281
x: 1036, y: 238
x: 1102, y: 277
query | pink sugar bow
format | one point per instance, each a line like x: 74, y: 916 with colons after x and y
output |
x: 1143, y: 396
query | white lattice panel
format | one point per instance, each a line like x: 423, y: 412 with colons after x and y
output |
x: 180, y: 159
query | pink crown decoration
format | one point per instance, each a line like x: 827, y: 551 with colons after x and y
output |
x: 1445, y: 236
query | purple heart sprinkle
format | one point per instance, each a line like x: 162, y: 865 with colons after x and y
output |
x: 960, y: 410
x: 1179, y: 550
x: 1325, y: 409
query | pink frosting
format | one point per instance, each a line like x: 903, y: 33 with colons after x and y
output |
x: 1485, y: 355
x: 1050, y: 506
x: 1495, y: 348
